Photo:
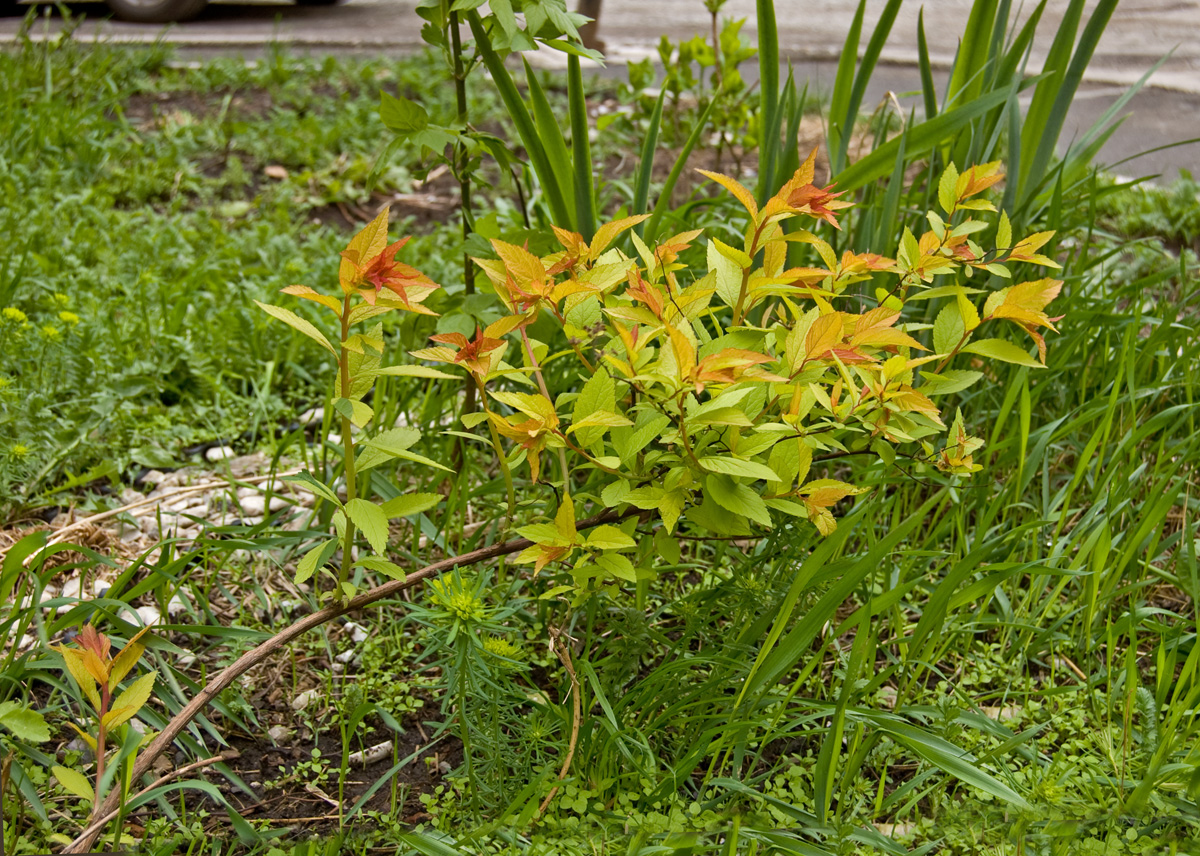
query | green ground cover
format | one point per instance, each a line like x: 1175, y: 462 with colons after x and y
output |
x: 1018, y: 674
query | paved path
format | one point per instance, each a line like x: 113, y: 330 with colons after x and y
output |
x: 811, y: 34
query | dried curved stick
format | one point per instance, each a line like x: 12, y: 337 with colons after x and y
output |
x: 166, y: 737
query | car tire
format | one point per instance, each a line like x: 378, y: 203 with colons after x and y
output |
x: 318, y: 2
x: 156, y: 11
x: 12, y: 8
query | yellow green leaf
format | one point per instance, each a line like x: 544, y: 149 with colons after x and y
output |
x: 75, y: 782
x: 292, y: 319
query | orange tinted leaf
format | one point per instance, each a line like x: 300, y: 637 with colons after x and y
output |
x: 369, y: 242
x: 522, y: 264
x: 826, y: 332
x: 306, y: 293
x: 740, y: 193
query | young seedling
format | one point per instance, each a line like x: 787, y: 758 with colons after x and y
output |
x: 373, y: 283
x: 98, y: 675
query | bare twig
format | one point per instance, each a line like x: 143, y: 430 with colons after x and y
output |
x: 564, y: 655
x: 256, y: 655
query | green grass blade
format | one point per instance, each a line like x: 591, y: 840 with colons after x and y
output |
x: 641, y: 185
x: 1066, y: 89
x: 920, y: 139
x: 768, y: 90
x: 519, y: 114
x: 966, y: 79
x: 581, y: 152
x: 841, y: 122
x: 928, y: 90
x: 664, y: 199
x: 550, y: 135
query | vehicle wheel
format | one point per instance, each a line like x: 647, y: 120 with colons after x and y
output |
x: 156, y: 11
x: 12, y: 8
x: 318, y: 2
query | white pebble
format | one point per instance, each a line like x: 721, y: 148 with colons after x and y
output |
x: 312, y: 417
x: 219, y: 453
x: 153, y: 477
x: 358, y: 633
x: 177, y: 604
x: 346, y: 656
x: 148, y: 614
x: 100, y: 588
x: 305, y: 699
x: 278, y: 733
x: 253, y: 506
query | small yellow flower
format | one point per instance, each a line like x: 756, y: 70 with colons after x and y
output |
x: 50, y: 332
x: 18, y: 450
x: 12, y: 313
x: 61, y: 299
x: 69, y: 318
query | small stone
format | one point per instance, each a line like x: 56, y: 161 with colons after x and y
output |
x: 358, y: 633
x: 303, y: 700
x: 154, y: 477
x: 70, y: 590
x: 148, y: 614
x: 129, y: 496
x: 100, y: 588
x: 290, y: 606
x: 278, y: 733
x: 313, y: 417
x: 278, y: 503
x: 337, y: 668
x: 219, y: 453
x: 185, y: 660
x: 346, y: 656
x: 444, y: 767
x: 244, y: 492
x: 48, y: 593
x: 253, y: 506
x: 177, y: 604
x: 77, y: 744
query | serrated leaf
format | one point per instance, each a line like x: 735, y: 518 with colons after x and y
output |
x: 952, y: 380
x: 618, y: 566
x: 947, y: 187
x: 357, y: 412
x: 75, y: 782
x: 401, y: 115
x: 306, y: 293
x: 382, y: 566
x: 371, y: 521
x: 948, y: 329
x: 738, y: 498
x: 738, y: 467
x: 73, y: 659
x: 1004, y: 232
x: 600, y: 419
x: 314, y: 560
x: 416, y: 371
x: 369, y: 242
x: 317, y: 487
x: 128, y: 703
x: 1003, y: 350
x: 23, y: 723
x: 609, y: 538
x: 293, y: 320
x: 409, y: 504
x: 598, y: 394
x: 124, y: 661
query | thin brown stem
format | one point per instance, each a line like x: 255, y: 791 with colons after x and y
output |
x: 322, y: 616
x: 564, y: 656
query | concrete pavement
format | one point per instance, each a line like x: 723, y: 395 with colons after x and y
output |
x: 811, y: 34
